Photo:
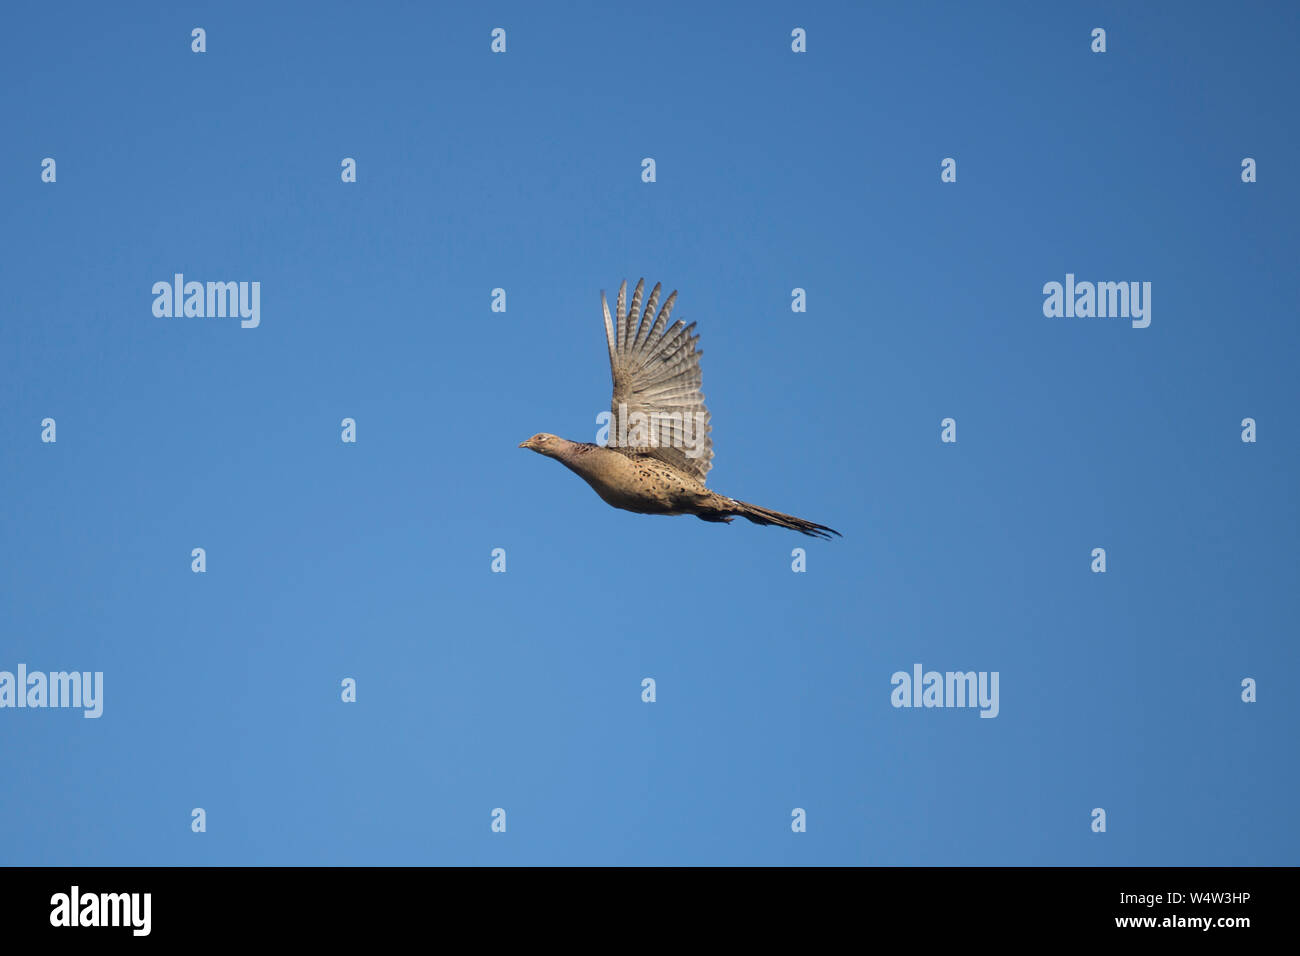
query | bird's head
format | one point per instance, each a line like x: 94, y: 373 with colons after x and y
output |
x: 544, y: 443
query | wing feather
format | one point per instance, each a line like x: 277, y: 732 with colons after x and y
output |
x: 656, y: 373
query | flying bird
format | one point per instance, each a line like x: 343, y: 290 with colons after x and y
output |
x: 659, y: 450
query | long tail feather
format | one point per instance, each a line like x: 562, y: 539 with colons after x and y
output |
x: 760, y: 515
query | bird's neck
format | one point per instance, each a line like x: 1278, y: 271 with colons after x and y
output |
x: 577, y: 455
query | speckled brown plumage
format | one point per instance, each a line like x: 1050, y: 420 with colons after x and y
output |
x: 656, y: 372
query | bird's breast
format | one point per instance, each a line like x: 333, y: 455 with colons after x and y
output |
x: 632, y: 484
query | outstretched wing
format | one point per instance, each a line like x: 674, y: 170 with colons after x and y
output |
x: 658, y: 407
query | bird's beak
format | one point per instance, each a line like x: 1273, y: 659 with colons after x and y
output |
x: 524, y: 443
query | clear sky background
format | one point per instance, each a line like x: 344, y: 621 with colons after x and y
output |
x: 522, y: 690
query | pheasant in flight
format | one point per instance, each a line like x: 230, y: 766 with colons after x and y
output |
x: 659, y: 449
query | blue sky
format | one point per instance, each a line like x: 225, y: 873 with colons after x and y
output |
x: 522, y: 690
